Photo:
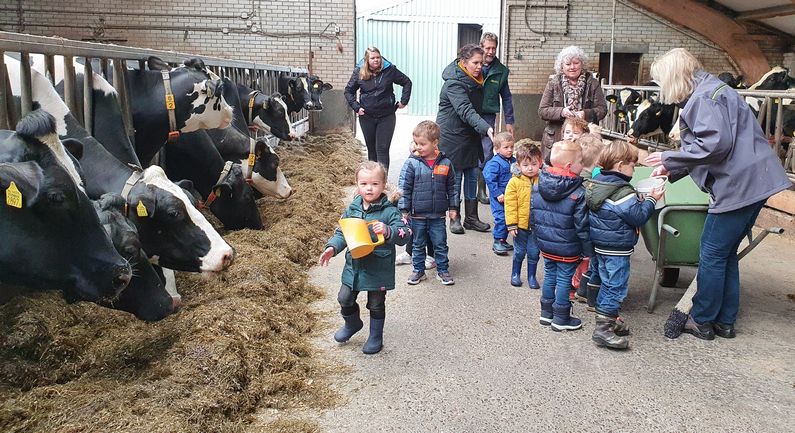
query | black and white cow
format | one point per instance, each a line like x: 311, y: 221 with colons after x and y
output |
x: 302, y: 92
x: 146, y: 296
x: 737, y: 82
x: 172, y: 231
x: 626, y: 102
x: 267, y: 113
x: 652, y: 117
x: 777, y: 78
x: 51, y: 235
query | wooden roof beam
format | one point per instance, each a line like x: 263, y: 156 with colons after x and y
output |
x: 771, y: 12
x: 718, y: 28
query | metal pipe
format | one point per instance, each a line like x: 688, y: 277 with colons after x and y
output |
x: 612, y: 42
x: 4, y: 95
x: 25, y: 84
x: 120, y: 83
x: 29, y: 10
x: 49, y: 64
x: 88, y: 96
x: 69, y: 87
x: 759, y: 238
x: 672, y: 230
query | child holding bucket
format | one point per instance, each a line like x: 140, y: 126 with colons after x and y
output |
x: 373, y: 273
x: 616, y: 212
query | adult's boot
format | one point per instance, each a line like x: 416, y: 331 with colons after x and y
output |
x: 352, y: 325
x: 455, y: 225
x: 562, y: 320
x: 376, y: 339
x: 621, y: 328
x: 532, y: 267
x: 471, y: 219
x: 482, y: 196
x: 546, y: 311
x: 593, y: 293
x: 516, y: 272
x: 604, y: 333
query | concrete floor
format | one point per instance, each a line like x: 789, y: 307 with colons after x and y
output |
x: 473, y: 358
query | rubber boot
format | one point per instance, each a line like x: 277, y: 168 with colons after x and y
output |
x: 604, y: 334
x: 471, y: 219
x: 593, y: 292
x: 562, y: 319
x: 352, y: 325
x: 376, y: 339
x: 546, y: 312
x: 531, y: 275
x: 621, y: 328
x: 455, y: 225
x: 516, y: 272
x: 582, y: 290
x: 482, y: 196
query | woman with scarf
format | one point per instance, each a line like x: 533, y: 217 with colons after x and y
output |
x: 461, y: 125
x: 571, y: 92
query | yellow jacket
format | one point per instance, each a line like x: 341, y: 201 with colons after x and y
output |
x: 517, y: 201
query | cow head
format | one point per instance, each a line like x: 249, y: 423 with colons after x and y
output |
x: 199, y: 100
x: 775, y: 79
x: 652, y: 117
x: 270, y: 115
x: 626, y: 102
x: 296, y: 92
x: 316, y: 88
x: 172, y: 231
x: 46, y: 216
x: 235, y: 205
x: 122, y: 232
x: 268, y: 177
x: 732, y: 81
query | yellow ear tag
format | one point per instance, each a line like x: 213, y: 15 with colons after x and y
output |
x: 252, y: 158
x: 316, y: 85
x: 659, y: 113
x: 141, y: 209
x: 170, y: 102
x: 251, y: 103
x: 13, y: 196
x: 218, y: 192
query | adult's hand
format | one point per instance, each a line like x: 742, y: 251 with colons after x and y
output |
x: 509, y: 128
x: 360, y: 112
x: 654, y: 159
x: 580, y: 114
x: 401, y: 105
x: 566, y: 112
x: 660, y: 170
x: 490, y: 133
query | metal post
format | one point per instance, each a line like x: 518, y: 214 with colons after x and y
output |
x: 25, y: 83
x: 612, y: 44
x: 4, y: 96
x: 120, y: 83
x: 69, y: 87
x: 88, y: 94
x: 49, y: 62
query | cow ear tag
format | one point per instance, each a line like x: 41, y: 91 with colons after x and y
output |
x: 658, y: 113
x: 316, y: 85
x: 13, y: 196
x: 170, y: 105
x: 141, y: 209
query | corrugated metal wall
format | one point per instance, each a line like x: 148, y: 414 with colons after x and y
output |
x: 422, y: 40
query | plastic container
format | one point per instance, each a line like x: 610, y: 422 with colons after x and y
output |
x: 646, y: 186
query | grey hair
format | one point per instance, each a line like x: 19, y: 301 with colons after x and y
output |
x: 489, y: 36
x: 568, y: 53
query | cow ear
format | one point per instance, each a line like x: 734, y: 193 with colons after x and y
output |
x: 193, y: 195
x: 110, y: 201
x: 276, y: 95
x: 195, y: 63
x: 27, y: 178
x: 225, y: 187
x: 261, y: 148
x: 75, y: 147
x: 157, y: 64
x: 326, y: 86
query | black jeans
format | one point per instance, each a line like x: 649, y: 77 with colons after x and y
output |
x: 376, y: 302
x: 378, y: 133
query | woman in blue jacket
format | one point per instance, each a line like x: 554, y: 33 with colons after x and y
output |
x: 726, y: 153
x: 373, y: 77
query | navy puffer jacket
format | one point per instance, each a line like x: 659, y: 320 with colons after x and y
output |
x: 560, y: 217
x: 427, y: 192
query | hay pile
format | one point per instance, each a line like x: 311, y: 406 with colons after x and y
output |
x: 238, y: 344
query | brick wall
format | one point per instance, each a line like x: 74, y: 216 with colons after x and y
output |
x: 589, y: 24
x: 161, y: 25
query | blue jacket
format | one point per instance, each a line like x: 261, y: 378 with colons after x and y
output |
x: 559, y: 217
x: 615, y: 213
x: 497, y: 173
x: 427, y: 192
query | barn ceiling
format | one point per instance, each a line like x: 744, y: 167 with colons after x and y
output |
x: 775, y: 14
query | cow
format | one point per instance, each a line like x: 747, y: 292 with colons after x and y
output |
x: 777, y: 78
x: 265, y: 113
x: 734, y: 82
x: 51, y: 235
x: 652, y: 117
x: 302, y: 92
x: 145, y: 296
x: 626, y: 102
x: 172, y: 231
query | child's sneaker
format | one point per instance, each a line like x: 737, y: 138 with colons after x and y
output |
x: 501, y: 247
x: 403, y: 258
x: 445, y: 278
x: 416, y: 277
x: 430, y: 262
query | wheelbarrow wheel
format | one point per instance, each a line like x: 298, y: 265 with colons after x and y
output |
x: 669, y: 277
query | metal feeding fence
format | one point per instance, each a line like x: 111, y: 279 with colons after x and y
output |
x: 772, y: 106
x: 103, y: 59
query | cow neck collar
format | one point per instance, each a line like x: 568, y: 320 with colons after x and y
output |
x: 252, y: 155
x: 251, y: 97
x: 135, y: 177
x: 213, y: 195
x: 173, y: 132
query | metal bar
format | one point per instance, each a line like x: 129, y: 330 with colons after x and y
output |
x: 104, y: 67
x: 768, y: 115
x: 779, y: 128
x: 5, y: 95
x: 672, y: 230
x: 88, y: 96
x: 69, y: 87
x: 759, y: 238
x: 49, y: 64
x: 25, y: 84
x: 120, y: 83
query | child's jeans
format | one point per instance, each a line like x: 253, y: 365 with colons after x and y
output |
x: 376, y: 302
x: 614, y: 273
x: 525, y: 244
x: 410, y: 245
x: 435, y: 230
x: 498, y: 212
x: 557, y: 280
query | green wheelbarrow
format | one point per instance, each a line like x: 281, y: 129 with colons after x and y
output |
x: 673, y: 233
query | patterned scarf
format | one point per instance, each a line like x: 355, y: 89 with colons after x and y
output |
x: 572, y: 95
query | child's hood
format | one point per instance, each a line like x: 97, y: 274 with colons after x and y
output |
x: 605, y: 186
x: 555, y: 187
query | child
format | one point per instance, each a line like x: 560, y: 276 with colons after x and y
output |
x: 404, y: 258
x: 591, y: 148
x: 518, y: 208
x: 560, y: 222
x: 375, y: 272
x: 616, y: 212
x: 497, y: 173
x: 427, y: 181
x: 573, y: 128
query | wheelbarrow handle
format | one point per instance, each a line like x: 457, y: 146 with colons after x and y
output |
x: 672, y: 230
x: 752, y: 243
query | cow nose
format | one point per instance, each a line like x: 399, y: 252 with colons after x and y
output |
x: 292, y: 135
x: 228, y: 258
x: 310, y: 104
x: 122, y: 276
x: 176, y: 303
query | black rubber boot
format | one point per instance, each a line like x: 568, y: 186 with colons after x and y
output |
x: 482, y: 196
x: 376, y: 339
x: 455, y: 225
x: 621, y: 328
x: 604, y: 334
x: 471, y: 219
x: 546, y: 312
x: 531, y: 275
x: 516, y: 272
x: 562, y: 320
x: 352, y: 325
x: 593, y: 292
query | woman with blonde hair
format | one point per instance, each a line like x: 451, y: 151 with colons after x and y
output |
x: 571, y: 92
x: 728, y: 156
x: 373, y: 77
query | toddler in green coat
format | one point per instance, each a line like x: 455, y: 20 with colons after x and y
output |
x: 375, y: 272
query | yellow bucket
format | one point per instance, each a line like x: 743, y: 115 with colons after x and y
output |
x: 358, y: 237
